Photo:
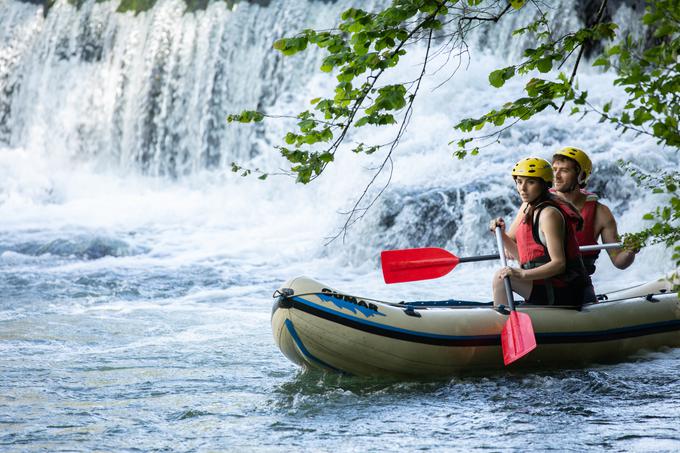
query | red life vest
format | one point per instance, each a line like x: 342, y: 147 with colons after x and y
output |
x: 586, y: 235
x: 532, y: 253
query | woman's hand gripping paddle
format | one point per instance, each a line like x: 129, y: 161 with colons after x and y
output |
x: 517, y: 337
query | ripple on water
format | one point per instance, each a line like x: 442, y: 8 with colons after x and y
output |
x: 81, y: 246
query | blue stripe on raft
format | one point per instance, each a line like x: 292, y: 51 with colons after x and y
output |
x: 611, y: 334
x: 484, y: 340
x: 296, y: 338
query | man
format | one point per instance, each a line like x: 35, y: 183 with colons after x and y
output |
x: 572, y: 168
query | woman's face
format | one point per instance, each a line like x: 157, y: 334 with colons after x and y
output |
x: 529, y: 188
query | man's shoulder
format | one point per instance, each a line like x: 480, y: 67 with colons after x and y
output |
x: 589, y: 196
x: 604, y: 214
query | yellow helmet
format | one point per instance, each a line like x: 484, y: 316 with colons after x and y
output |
x: 581, y: 159
x: 534, y: 167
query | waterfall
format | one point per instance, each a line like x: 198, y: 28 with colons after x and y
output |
x: 149, y: 92
x: 89, y: 90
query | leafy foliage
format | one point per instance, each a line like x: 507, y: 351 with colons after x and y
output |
x: 365, y: 46
x: 137, y: 6
x: 665, y: 218
x: 541, y: 93
x: 650, y: 76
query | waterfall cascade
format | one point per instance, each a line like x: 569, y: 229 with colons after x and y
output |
x: 148, y: 95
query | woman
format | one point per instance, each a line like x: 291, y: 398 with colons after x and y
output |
x: 552, y: 271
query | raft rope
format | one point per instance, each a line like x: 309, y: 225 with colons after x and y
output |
x: 414, y: 305
x: 278, y: 293
x: 649, y: 297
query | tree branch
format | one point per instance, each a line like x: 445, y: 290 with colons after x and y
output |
x: 357, y: 105
x: 352, y: 218
x: 490, y: 19
x: 600, y: 13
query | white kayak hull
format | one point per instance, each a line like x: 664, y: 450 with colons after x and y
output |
x: 316, y: 326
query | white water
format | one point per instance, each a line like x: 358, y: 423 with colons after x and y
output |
x: 136, y: 269
x: 101, y: 104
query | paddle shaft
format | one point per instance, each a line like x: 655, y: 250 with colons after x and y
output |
x: 611, y: 245
x: 583, y: 248
x: 471, y: 259
x: 504, y: 263
x: 430, y: 262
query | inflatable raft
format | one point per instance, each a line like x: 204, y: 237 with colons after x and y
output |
x: 316, y: 326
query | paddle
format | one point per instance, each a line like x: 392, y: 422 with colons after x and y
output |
x: 409, y: 265
x: 421, y: 264
x: 517, y: 337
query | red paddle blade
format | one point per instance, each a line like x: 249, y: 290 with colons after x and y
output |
x: 518, y: 337
x: 416, y: 264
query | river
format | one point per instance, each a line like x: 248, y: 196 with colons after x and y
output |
x: 136, y: 270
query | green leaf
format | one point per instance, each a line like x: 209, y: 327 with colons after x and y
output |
x: 280, y: 44
x: 544, y: 64
x: 496, y: 78
x: 290, y: 138
x: 517, y: 4
x: 665, y: 30
x: 614, y: 50
x: 247, y: 116
x: 601, y: 61
x: 326, y: 157
x: 361, y: 122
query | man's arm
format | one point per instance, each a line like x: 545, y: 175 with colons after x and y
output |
x: 609, y: 233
